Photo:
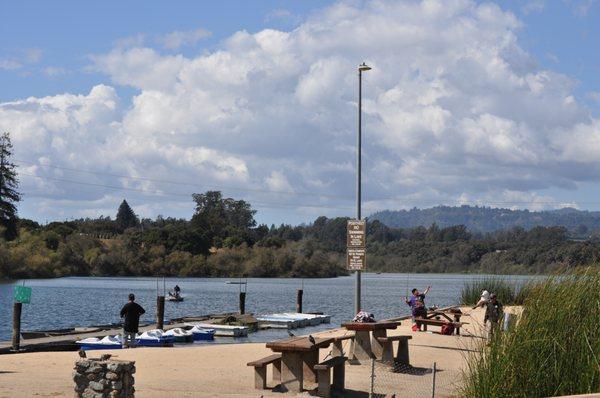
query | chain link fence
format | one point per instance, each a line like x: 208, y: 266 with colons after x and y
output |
x: 393, y: 379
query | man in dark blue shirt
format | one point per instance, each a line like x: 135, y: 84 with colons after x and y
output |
x: 131, y: 312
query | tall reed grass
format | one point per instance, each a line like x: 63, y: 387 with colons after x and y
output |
x: 504, y: 290
x: 553, y: 350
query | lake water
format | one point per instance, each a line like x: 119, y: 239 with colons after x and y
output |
x: 68, y: 302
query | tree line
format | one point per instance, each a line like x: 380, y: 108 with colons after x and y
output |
x: 222, y: 240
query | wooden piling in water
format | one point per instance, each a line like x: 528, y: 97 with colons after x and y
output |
x: 160, y: 312
x: 242, y: 303
x: 16, y: 332
x: 299, y: 301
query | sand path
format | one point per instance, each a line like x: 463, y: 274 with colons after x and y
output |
x: 221, y: 371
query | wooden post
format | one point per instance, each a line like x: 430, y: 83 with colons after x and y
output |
x: 160, y: 312
x: 242, y: 303
x: 16, y: 332
x: 299, y: 301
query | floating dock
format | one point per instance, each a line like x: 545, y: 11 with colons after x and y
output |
x: 291, y: 320
x: 223, y: 330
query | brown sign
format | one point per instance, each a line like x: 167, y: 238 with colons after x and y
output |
x: 356, y: 259
x: 355, y: 234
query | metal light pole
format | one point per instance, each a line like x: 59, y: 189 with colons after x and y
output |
x: 361, y: 68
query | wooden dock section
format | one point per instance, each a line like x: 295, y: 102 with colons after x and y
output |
x: 66, y: 342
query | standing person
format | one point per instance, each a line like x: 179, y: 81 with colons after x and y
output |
x: 177, y: 290
x: 132, y: 312
x: 485, y: 297
x: 417, y: 305
x: 493, y: 315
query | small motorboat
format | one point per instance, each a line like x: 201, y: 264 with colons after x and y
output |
x: 174, y: 297
x: 154, y: 338
x: 202, y: 333
x: 105, y: 343
x: 179, y: 335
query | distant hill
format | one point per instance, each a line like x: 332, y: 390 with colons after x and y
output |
x: 487, y: 219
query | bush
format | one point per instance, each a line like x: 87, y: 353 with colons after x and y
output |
x: 553, y: 350
x: 504, y: 290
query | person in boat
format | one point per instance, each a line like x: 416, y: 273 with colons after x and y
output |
x: 417, y: 304
x: 131, y: 312
x: 177, y: 290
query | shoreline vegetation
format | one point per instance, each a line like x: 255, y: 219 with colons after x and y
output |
x: 552, y: 350
x: 222, y: 239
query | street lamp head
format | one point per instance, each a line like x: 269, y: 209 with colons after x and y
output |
x: 363, y: 67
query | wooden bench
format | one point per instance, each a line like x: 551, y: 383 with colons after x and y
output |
x: 337, y: 349
x: 435, y: 322
x: 387, y: 344
x: 260, y: 370
x: 323, y: 369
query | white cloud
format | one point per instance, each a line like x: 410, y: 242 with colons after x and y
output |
x: 453, y: 108
x: 21, y: 58
x: 177, y: 39
x: 533, y: 6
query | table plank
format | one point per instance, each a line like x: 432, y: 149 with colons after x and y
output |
x: 299, y: 344
x: 370, y: 326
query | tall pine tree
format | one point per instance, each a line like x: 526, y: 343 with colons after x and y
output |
x: 9, y: 184
x: 126, y: 218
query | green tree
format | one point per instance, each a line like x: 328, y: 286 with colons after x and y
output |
x: 222, y: 218
x: 126, y: 218
x: 9, y: 184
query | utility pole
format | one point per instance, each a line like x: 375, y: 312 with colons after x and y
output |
x: 361, y: 68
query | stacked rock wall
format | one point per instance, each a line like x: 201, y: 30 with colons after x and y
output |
x: 95, y: 378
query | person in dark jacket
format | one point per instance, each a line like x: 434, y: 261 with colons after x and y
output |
x: 131, y: 312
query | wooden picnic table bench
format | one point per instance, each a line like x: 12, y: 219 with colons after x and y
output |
x: 435, y: 322
x: 337, y: 349
x: 325, y: 387
x: 260, y: 370
x: 363, y: 343
x: 387, y: 352
x: 298, y: 359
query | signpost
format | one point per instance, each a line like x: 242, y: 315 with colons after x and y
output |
x: 355, y: 245
x: 22, y: 295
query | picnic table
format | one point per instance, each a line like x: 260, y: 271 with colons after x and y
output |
x: 366, y: 343
x: 298, y: 359
x: 446, y: 314
x: 433, y: 316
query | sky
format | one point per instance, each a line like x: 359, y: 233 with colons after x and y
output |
x: 468, y: 102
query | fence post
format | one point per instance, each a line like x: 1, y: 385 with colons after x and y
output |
x: 433, y: 381
x: 372, y: 388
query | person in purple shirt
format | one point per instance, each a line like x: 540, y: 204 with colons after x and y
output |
x: 417, y: 303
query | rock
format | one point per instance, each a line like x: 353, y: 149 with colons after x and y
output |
x: 92, y: 376
x: 115, y: 394
x: 112, y: 376
x: 115, y: 367
x: 89, y: 393
x: 98, y: 385
x: 94, y: 367
x: 82, y: 365
x: 116, y: 385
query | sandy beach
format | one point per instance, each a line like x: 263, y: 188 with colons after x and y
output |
x: 221, y: 371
